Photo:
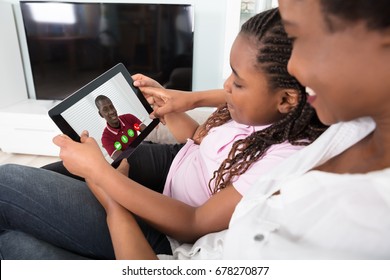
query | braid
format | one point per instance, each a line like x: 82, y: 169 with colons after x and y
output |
x: 299, y: 127
x: 219, y: 117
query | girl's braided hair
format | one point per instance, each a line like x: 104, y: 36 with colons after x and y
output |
x: 299, y: 127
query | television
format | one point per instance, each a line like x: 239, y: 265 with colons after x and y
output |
x: 71, y: 43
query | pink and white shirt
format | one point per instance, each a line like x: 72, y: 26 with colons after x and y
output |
x: 193, y: 166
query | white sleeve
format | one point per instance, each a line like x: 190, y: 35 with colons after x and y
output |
x: 319, y: 216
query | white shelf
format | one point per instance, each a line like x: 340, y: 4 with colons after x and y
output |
x: 26, y: 128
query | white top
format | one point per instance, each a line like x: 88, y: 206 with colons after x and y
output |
x: 318, y: 215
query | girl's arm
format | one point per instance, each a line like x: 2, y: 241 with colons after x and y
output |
x: 175, y: 100
x: 170, y: 105
x: 172, y: 217
x: 177, y: 219
x: 126, y: 236
x: 181, y: 125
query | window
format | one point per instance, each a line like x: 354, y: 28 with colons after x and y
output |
x: 251, y: 7
x: 239, y: 11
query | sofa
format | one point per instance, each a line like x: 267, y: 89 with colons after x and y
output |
x: 161, y: 133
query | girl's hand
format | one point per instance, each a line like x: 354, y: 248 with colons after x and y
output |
x: 109, y: 204
x: 166, y: 101
x: 105, y: 200
x: 144, y: 81
x: 82, y: 159
x: 124, y: 167
x: 163, y: 101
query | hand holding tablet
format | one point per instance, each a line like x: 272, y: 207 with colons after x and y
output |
x: 111, y: 109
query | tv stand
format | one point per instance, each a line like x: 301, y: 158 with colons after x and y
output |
x: 26, y: 128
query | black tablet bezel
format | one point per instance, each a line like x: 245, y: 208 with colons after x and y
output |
x: 65, y: 127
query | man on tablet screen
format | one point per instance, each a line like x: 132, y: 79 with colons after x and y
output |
x: 120, y: 131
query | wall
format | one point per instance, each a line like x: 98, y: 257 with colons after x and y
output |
x: 216, y: 24
x: 25, y: 126
x: 12, y: 85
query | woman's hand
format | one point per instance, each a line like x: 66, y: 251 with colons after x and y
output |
x: 82, y: 159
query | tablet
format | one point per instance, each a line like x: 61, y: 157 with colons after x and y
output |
x: 115, y: 113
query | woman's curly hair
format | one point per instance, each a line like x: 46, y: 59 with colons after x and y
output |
x: 299, y: 127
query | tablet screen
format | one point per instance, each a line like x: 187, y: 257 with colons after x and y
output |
x: 114, y: 112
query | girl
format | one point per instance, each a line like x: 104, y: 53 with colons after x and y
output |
x: 331, y: 199
x: 265, y: 119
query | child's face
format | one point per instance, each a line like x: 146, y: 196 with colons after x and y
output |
x: 248, y: 97
x: 348, y: 69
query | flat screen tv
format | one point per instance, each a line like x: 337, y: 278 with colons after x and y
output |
x: 71, y: 43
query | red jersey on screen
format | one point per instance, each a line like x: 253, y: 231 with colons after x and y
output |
x: 114, y: 139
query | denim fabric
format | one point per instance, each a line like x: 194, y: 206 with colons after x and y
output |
x: 21, y: 246
x: 55, y: 208
x: 42, y: 211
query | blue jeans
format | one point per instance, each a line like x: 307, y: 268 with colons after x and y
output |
x: 48, y: 215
